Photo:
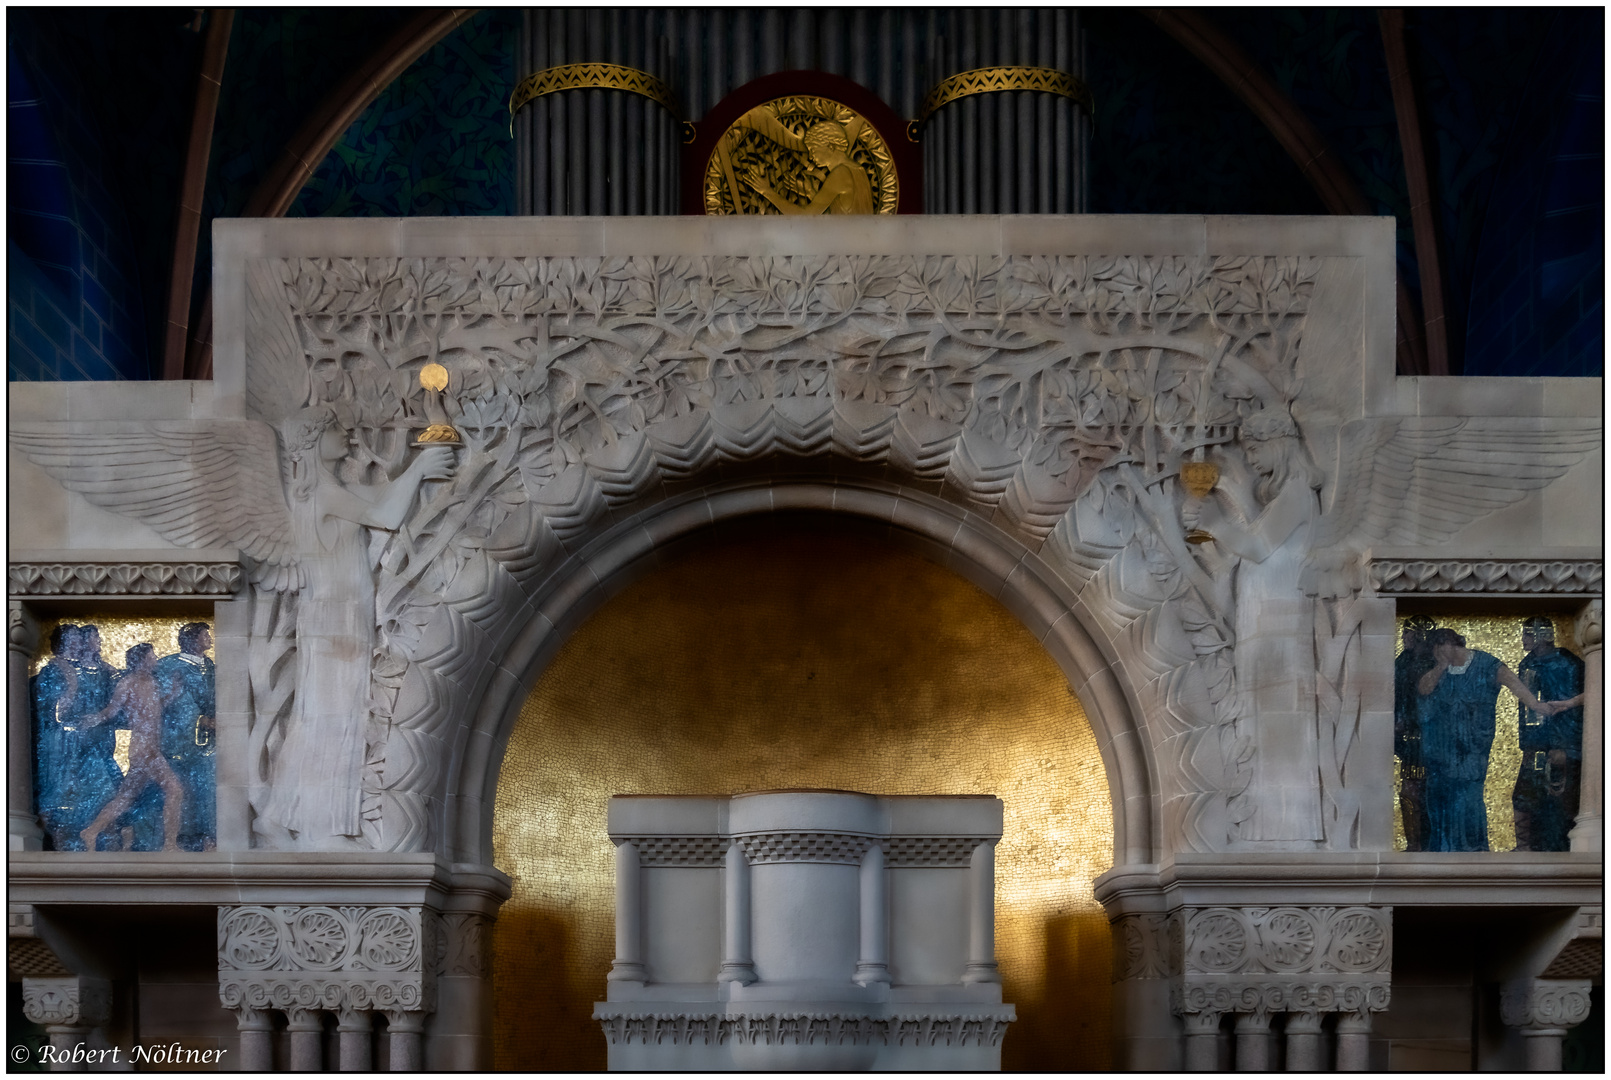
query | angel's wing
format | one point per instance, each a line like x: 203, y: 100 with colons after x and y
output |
x: 199, y: 483
x: 1419, y: 480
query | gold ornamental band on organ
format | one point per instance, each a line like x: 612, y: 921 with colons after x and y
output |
x: 767, y: 111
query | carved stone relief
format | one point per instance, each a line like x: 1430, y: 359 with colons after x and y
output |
x: 1056, y: 396
x: 1490, y: 576
x: 329, y: 958
x: 123, y: 579
x: 1545, y: 1003
x: 73, y: 1001
x: 1262, y: 960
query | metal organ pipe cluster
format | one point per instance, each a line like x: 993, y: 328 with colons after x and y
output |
x: 609, y: 152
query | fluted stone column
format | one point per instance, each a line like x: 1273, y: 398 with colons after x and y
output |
x: 1202, y: 1041
x: 68, y: 1008
x: 737, y: 963
x: 1588, y: 833
x: 22, y: 641
x: 356, y: 1029
x: 1303, y: 1042
x: 256, y: 1027
x: 405, y: 1030
x: 1253, y: 1042
x: 873, y: 966
x: 1353, y: 1041
x: 628, y: 966
x: 982, y: 918
x: 307, y: 1037
x: 1543, y: 1010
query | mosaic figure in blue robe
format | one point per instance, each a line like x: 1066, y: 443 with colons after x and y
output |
x: 1458, y: 696
x: 75, y: 770
x: 1408, y: 667
x: 186, y: 681
x: 1545, y: 799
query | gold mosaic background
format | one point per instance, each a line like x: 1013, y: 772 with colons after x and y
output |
x: 119, y: 634
x: 806, y: 661
x: 1498, y: 636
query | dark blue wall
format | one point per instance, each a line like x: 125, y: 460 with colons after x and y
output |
x: 100, y: 107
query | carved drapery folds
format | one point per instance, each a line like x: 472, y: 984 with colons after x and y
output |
x: 327, y: 958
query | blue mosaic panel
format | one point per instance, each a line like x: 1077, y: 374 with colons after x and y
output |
x: 124, y: 755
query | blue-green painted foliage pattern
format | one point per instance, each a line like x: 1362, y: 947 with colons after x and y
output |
x: 1170, y: 138
x: 436, y: 141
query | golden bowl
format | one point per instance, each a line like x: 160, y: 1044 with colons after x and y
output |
x: 1198, y: 477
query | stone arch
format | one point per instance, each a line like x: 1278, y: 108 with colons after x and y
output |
x: 965, y: 543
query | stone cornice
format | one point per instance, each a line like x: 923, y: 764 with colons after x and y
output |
x: 1523, y: 577
x: 117, y: 579
x: 1394, y: 878
x: 251, y: 877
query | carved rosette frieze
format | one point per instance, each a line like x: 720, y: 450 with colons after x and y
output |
x: 1486, y: 576
x: 1265, y: 960
x: 802, y: 1029
x: 1545, y: 1004
x: 327, y: 958
x: 73, y: 1001
x: 124, y: 579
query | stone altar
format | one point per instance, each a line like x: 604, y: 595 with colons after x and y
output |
x: 805, y: 930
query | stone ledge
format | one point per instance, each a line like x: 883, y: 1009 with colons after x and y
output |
x: 1392, y: 879
x: 124, y: 577
x: 248, y: 877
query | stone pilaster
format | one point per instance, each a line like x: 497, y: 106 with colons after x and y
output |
x: 1588, y: 834
x: 22, y: 641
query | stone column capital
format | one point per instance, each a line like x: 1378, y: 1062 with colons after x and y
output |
x: 70, y: 1001
x: 1545, y: 1006
x: 1590, y: 627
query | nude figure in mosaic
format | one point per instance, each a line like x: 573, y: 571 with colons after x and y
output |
x: 140, y: 701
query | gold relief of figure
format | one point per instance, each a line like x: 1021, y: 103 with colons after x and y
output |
x: 801, y: 155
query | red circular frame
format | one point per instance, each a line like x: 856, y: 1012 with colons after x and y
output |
x: 890, y: 127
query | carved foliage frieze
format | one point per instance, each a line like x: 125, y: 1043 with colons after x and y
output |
x: 323, y: 957
x: 804, y: 1029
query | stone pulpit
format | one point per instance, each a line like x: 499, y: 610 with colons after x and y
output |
x: 805, y: 930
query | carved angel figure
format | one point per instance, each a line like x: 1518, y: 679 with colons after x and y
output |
x: 1404, y: 481
x: 218, y: 484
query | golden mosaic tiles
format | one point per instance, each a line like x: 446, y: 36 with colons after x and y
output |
x: 808, y: 661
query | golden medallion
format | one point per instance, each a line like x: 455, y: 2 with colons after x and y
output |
x: 801, y: 155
